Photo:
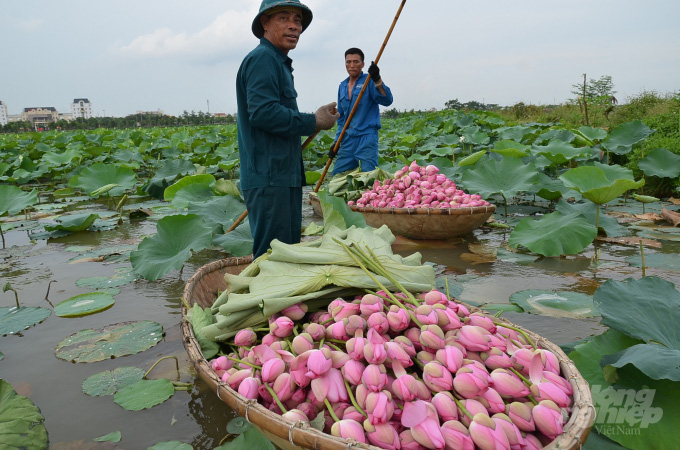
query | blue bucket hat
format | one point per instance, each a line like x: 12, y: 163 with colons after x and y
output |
x: 267, y: 5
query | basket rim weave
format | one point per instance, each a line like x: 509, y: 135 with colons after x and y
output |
x: 575, y: 431
x: 467, y: 211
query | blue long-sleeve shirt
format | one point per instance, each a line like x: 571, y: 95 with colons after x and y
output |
x: 366, y: 118
x: 268, y: 120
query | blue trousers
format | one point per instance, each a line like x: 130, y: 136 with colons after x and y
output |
x: 274, y: 213
x: 355, y: 150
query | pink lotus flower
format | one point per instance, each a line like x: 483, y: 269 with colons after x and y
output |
x: 483, y: 321
x: 473, y: 407
x: 343, y: 310
x: 408, y: 442
x: 221, y: 364
x: 383, y: 435
x: 470, y: 383
x: 298, y: 369
x: 262, y: 353
x: 272, y: 368
x: 446, y: 318
x: 339, y: 359
x: 520, y: 414
x: 316, y: 331
x: 237, y: 378
x: 432, y: 337
x: 456, y: 436
x: 492, y: 401
x: 295, y: 312
x: 510, y: 429
x: 374, y: 349
x: 351, y: 413
x: 318, y: 363
x: 379, y: 407
x: 353, y: 324
x: 268, y: 339
x: 249, y: 387
x: 303, y: 342
x: 437, y: 377
x: 445, y: 405
x: 245, y: 338
x: 496, y: 359
x: 395, y: 352
x: 507, y: 384
x: 450, y: 357
x: 421, y: 417
x: 337, y: 331
x: 330, y: 386
x: 542, y: 389
x: 548, y: 418
x: 522, y: 360
x: 374, y: 377
x: 370, y: 304
x: 349, y: 429
x: 355, y: 347
x: 406, y: 344
x: 474, y: 338
x: 298, y: 397
x: 434, y: 297
x: 295, y: 415
x: 398, y: 319
x: 281, y: 327
x: 308, y: 408
x: 405, y: 387
x: 426, y: 315
x: 284, y: 386
x: 378, y: 322
x: 558, y: 381
x: 487, y: 435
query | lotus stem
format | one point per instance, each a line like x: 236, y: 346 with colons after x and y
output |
x: 527, y: 382
x: 8, y: 287
x: 330, y: 410
x: 354, y: 400
x: 240, y: 361
x: 519, y: 330
x: 394, y: 301
x: 642, y: 256
x: 276, y: 398
x: 161, y: 359
x: 461, y: 407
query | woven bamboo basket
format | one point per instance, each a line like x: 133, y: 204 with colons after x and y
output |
x: 422, y: 223
x: 203, y: 287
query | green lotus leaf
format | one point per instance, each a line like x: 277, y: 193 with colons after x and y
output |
x: 507, y: 176
x: 123, y: 276
x: 593, y: 134
x: 60, y: 159
x: 472, y: 159
x: 144, y: 394
x: 192, y: 193
x: 22, y: 425
x: 176, y: 237
x: 110, y: 381
x: 238, y: 242
x: 337, y: 213
x: 15, y: 320
x: 251, y: 438
x: 594, y: 185
x: 100, y: 174
x: 219, y: 213
x: 511, y: 148
x: 660, y: 163
x: 645, y: 198
x: 550, y: 188
x: 554, y: 234
x: 189, y: 180
x: 114, y: 436
x: 14, y: 200
x: 238, y: 425
x: 228, y: 187
x: 558, y: 151
x: 84, y: 304
x: 174, y: 445
x: 666, y: 261
x: 573, y: 305
x: 121, y: 339
x: 516, y: 133
x: 609, y: 225
x: 312, y: 177
x: 622, y: 138
x: 73, y: 222
x: 654, y: 360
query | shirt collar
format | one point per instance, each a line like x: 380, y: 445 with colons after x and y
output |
x: 282, y: 56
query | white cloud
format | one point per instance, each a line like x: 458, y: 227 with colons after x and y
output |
x: 25, y: 25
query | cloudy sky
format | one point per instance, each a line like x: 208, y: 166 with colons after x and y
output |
x: 172, y: 55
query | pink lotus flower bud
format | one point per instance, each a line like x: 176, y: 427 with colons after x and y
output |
x: 330, y: 386
x: 374, y: 349
x: 378, y: 322
x: 437, y: 377
x: 425, y: 357
x: 507, y: 384
x: 225, y: 376
x: 339, y: 358
x: 272, y: 368
x: 343, y: 310
x: 284, y: 386
x: 413, y: 335
x: 379, y: 407
x: 405, y: 387
x: 481, y: 320
x: 548, y: 418
x: 374, y: 377
x: 337, y: 331
x: 558, y: 381
x: 349, y: 429
x: 433, y: 297
x: 470, y: 383
x: 295, y: 312
x: 249, y: 387
x: 406, y: 344
x: 396, y: 352
x: 457, y: 436
x: 474, y: 338
x: 520, y: 414
x: 302, y: 342
x: 426, y: 315
x: 298, y: 369
x: 281, y: 327
x: 432, y: 337
x: 316, y: 331
x: 496, y: 359
x: 531, y: 442
x: 295, y: 415
x: 355, y: 347
x: 460, y: 309
x: 445, y: 405
x: 353, y: 324
x: 245, y: 338
x: 237, y: 377
x: 318, y: 363
x: 407, y: 441
x: 268, y: 339
x: 542, y: 389
x: 487, y: 435
x: 308, y: 408
x: 382, y: 435
x: 450, y: 357
x: 299, y: 396
x: 492, y: 401
x: 370, y: 304
x: 446, y: 318
x: 352, y: 371
x: 221, y: 363
x: 262, y: 353
x: 473, y: 407
x: 511, y: 431
x: 421, y: 417
x: 398, y: 319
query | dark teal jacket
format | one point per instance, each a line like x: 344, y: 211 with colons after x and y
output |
x: 269, y: 123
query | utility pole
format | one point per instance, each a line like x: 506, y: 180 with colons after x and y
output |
x: 208, y: 106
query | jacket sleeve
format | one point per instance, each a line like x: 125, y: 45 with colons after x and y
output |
x: 377, y: 97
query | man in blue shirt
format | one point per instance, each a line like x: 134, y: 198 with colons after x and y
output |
x: 359, y: 145
x: 270, y: 126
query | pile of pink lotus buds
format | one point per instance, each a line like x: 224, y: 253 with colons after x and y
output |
x: 418, y: 187
x: 403, y: 372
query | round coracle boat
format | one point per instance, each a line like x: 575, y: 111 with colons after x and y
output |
x: 203, y: 289
x: 422, y: 223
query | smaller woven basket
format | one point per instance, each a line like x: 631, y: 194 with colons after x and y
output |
x: 203, y: 288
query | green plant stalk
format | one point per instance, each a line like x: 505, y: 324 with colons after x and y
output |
x: 330, y: 410
x: 276, y: 398
x: 399, y: 304
x: 642, y: 256
x: 527, y: 382
x: 462, y: 408
x: 387, y: 275
x: 519, y: 330
x: 505, y: 204
x: 244, y: 362
x: 161, y: 359
x: 353, y: 400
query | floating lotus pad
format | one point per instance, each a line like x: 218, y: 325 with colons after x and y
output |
x: 21, y: 423
x: 84, y: 304
x: 144, y: 394
x: 110, y: 381
x: 14, y: 320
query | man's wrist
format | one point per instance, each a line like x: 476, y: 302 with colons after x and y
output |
x: 378, y: 83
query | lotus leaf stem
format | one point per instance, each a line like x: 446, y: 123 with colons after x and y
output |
x: 460, y: 406
x: 642, y: 256
x: 519, y: 330
x: 276, y: 398
x: 330, y: 410
x: 161, y: 359
x: 394, y: 301
x: 240, y: 361
x: 354, y: 400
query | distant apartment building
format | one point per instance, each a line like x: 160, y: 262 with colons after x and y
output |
x: 40, y: 116
x: 4, y: 116
x: 81, y: 107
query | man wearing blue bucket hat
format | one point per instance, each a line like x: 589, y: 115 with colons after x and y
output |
x: 270, y: 126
